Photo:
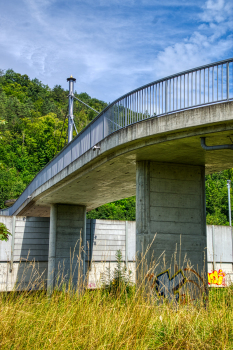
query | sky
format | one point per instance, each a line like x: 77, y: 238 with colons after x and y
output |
x: 112, y: 46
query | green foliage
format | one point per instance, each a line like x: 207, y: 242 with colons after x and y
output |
x: 119, y: 281
x: 4, y: 232
x: 124, y: 209
x: 217, y: 197
x: 31, y: 122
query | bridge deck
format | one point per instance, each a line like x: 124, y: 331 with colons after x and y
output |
x: 108, y: 174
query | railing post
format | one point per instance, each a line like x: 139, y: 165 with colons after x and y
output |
x: 125, y: 111
x: 71, y: 81
x: 166, y: 96
x: 227, y: 81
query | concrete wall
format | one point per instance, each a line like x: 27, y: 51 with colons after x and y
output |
x: 31, y: 241
x: 28, y: 264
x: 24, y: 257
x: 220, y: 251
x: 104, y: 237
x: 219, y: 244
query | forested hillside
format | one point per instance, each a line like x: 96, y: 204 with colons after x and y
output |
x: 31, y: 120
x: 33, y: 129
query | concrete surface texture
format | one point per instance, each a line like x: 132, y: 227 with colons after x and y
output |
x: 24, y: 257
x: 220, y: 248
x: 170, y: 217
x: 67, y: 235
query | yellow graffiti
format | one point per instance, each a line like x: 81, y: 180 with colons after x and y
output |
x: 216, y: 277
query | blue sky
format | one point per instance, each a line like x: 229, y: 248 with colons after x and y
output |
x: 110, y: 46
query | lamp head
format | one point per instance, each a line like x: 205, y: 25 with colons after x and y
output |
x: 71, y: 79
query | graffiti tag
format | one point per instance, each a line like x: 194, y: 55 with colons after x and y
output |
x: 169, y: 287
x: 217, y: 277
x: 166, y: 286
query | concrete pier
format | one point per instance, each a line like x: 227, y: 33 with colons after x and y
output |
x: 170, y: 204
x: 67, y: 235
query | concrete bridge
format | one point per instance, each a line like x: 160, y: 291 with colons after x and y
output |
x: 147, y: 143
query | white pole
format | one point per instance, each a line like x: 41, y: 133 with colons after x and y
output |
x: 229, y: 199
x: 71, y: 81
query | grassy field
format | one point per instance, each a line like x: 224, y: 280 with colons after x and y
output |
x: 94, y: 320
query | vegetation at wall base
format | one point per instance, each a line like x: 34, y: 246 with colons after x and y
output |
x: 33, y: 129
x: 92, y: 320
x: 117, y: 282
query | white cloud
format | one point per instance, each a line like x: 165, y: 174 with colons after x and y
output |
x: 215, y: 11
x: 212, y: 41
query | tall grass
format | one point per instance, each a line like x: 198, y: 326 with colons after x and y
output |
x: 96, y: 320
x: 116, y: 316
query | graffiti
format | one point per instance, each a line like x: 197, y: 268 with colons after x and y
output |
x: 171, y: 287
x: 217, y: 277
x: 166, y: 286
x: 91, y: 285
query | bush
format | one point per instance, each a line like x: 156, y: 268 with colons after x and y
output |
x: 4, y: 232
x: 118, y: 282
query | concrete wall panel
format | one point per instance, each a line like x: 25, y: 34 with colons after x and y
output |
x: 169, y: 227
x: 219, y: 242
x: 174, y: 200
x: 171, y: 186
x: 161, y: 171
x: 32, y: 235
x: 184, y: 215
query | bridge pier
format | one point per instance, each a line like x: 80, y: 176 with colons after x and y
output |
x: 170, y: 202
x: 67, y: 234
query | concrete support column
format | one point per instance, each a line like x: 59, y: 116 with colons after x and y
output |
x: 170, y: 203
x: 67, y: 235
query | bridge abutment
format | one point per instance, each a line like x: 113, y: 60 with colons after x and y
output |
x: 170, y: 221
x: 67, y: 235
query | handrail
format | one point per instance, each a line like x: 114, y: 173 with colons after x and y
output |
x: 209, y: 84
x: 230, y: 60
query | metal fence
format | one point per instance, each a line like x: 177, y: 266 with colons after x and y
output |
x: 204, y: 85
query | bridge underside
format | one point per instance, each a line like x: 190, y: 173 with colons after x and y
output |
x: 114, y: 177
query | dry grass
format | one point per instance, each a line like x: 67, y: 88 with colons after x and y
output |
x: 94, y: 320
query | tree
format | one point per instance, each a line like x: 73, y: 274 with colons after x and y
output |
x: 217, y: 197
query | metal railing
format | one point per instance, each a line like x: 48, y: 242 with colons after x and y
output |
x: 208, y: 84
